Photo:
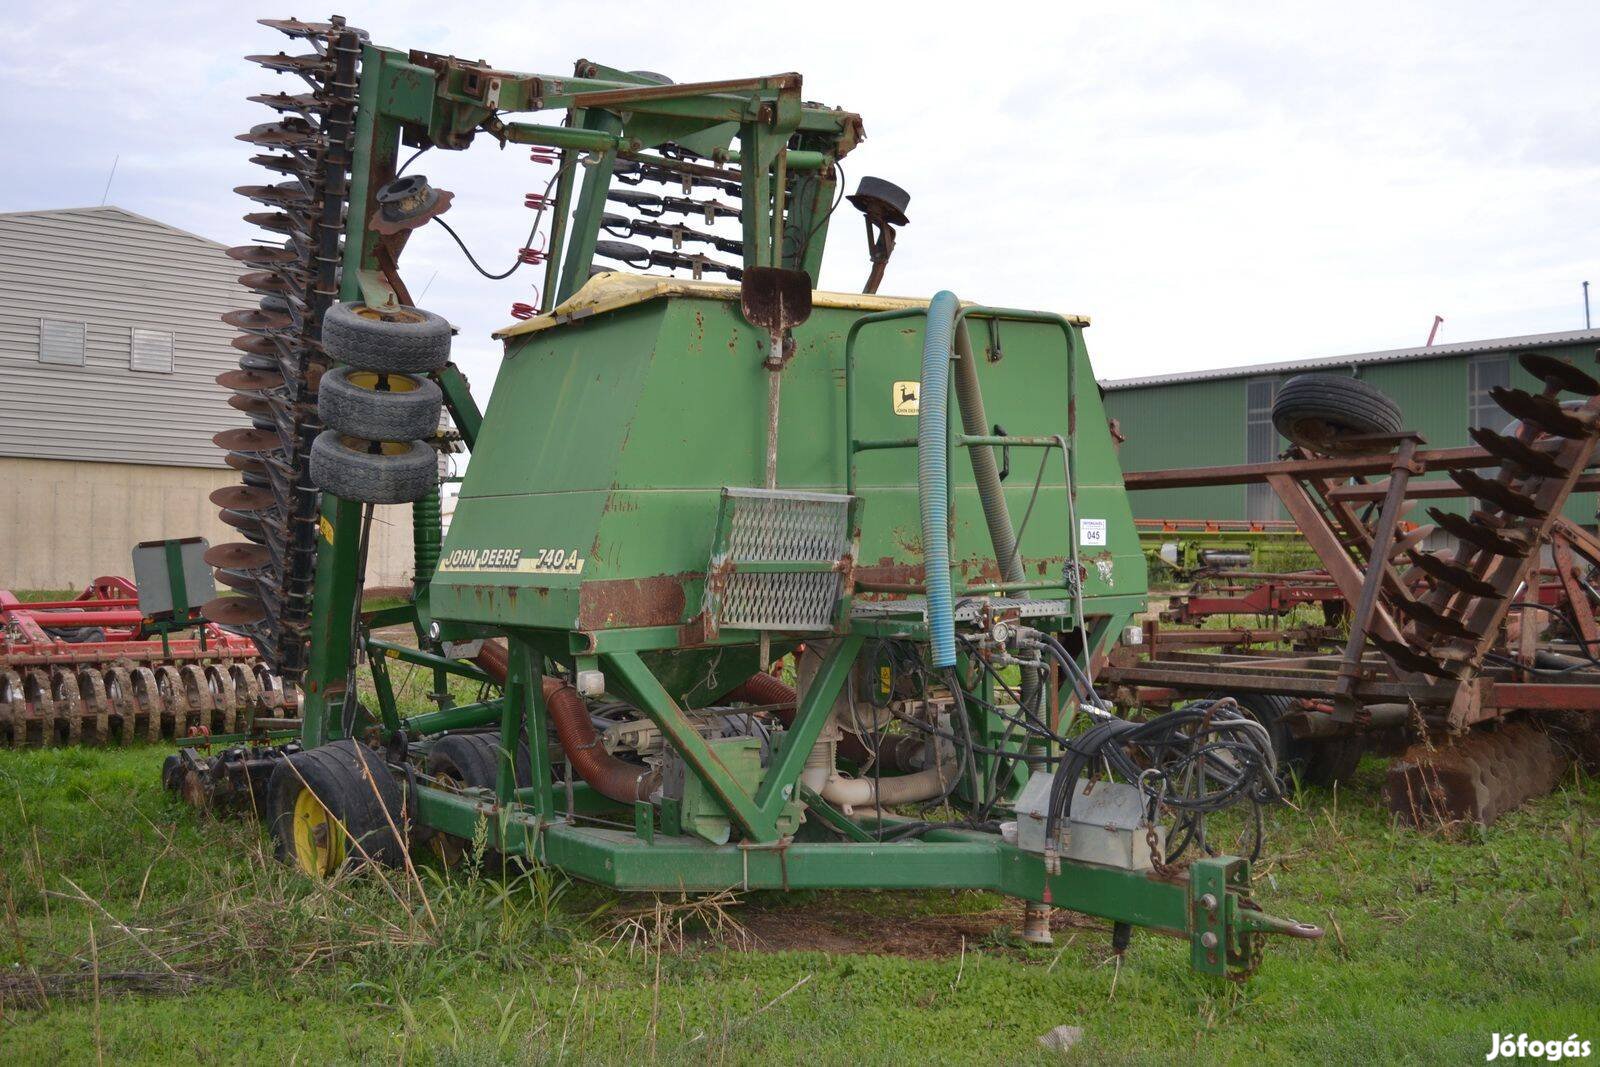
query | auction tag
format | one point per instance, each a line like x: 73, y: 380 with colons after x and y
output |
x: 1091, y: 532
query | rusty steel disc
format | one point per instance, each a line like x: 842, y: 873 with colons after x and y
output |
x: 234, y: 611
x: 282, y: 164
x: 297, y: 27
x: 284, y: 194
x: 249, y: 381
x: 236, y: 580
x: 264, y: 281
x: 290, y: 133
x: 257, y: 319
x: 305, y: 103
x: 276, y: 221
x: 237, y: 556
x: 256, y: 344
x: 246, y: 524
x: 246, y: 464
x: 243, y: 498
x: 250, y: 405
x: 264, y: 255
x: 246, y: 440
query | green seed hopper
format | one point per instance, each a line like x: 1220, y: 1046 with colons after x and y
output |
x: 591, y: 508
x: 676, y: 483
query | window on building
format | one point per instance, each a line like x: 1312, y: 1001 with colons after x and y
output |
x: 1483, y: 374
x: 61, y: 342
x: 150, y: 351
x: 1260, y: 446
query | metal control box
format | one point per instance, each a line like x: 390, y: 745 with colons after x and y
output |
x: 1107, y: 824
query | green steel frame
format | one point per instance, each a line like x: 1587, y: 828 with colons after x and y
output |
x: 425, y: 99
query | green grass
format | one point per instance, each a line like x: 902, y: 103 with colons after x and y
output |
x: 1434, y: 944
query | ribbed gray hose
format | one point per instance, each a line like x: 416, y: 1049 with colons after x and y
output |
x: 986, y: 473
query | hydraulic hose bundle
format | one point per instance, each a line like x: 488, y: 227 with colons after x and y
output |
x: 1195, y: 760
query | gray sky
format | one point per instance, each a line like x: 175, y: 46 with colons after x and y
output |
x: 1213, y: 184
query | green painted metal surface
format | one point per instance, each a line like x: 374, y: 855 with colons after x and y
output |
x: 588, y: 515
x: 591, y: 503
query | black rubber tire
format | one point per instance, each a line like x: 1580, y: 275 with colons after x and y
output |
x: 1320, y: 411
x: 402, y: 472
x: 1333, y: 759
x: 1269, y: 710
x: 379, y: 407
x: 477, y: 759
x: 408, y: 341
x: 334, y: 774
x: 472, y: 761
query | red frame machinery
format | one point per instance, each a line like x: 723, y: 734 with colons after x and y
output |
x: 1428, y: 636
x: 110, y: 604
x: 139, y: 669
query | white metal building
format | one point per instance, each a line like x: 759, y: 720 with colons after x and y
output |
x: 110, y: 341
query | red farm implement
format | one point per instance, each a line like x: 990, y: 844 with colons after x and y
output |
x: 97, y: 668
x: 1480, y: 655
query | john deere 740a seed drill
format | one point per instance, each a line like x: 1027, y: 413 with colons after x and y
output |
x: 676, y: 483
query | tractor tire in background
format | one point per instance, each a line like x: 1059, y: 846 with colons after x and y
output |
x: 400, y: 340
x: 399, y: 472
x: 379, y: 407
x: 472, y: 761
x: 1270, y: 710
x: 1333, y: 759
x: 1321, y: 412
x: 336, y: 807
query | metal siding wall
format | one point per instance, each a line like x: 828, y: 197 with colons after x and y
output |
x: 1188, y: 424
x: 1197, y: 424
x: 115, y: 272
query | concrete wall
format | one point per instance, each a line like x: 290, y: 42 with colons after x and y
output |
x: 63, y: 523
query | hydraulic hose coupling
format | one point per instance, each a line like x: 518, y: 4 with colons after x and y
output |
x: 933, y: 459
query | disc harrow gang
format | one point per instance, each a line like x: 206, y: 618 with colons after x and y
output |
x: 1457, y: 621
x: 295, y: 276
x: 1476, y: 778
x: 82, y: 671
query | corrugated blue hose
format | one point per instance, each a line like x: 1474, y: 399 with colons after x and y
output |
x: 933, y: 429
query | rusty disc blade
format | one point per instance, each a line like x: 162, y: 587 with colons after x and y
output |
x: 284, y: 194
x: 281, y: 164
x: 243, y: 498
x: 245, y: 464
x: 257, y: 319
x: 256, y: 344
x: 237, y: 556
x: 264, y: 281
x: 276, y: 221
x: 236, y: 580
x: 234, y: 611
x: 1559, y: 372
x: 287, y: 64
x: 250, y: 405
x: 305, y: 103
x: 245, y: 524
x: 264, y: 255
x: 290, y: 133
x: 249, y: 381
x: 297, y: 28
x: 246, y: 440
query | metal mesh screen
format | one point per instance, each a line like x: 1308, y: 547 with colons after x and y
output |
x: 783, y: 527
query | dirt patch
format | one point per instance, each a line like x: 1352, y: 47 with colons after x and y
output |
x: 806, y: 928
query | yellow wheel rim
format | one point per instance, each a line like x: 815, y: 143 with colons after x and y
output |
x: 318, y: 837
x: 397, y: 383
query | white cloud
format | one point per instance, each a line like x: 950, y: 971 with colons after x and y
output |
x: 1213, y: 184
